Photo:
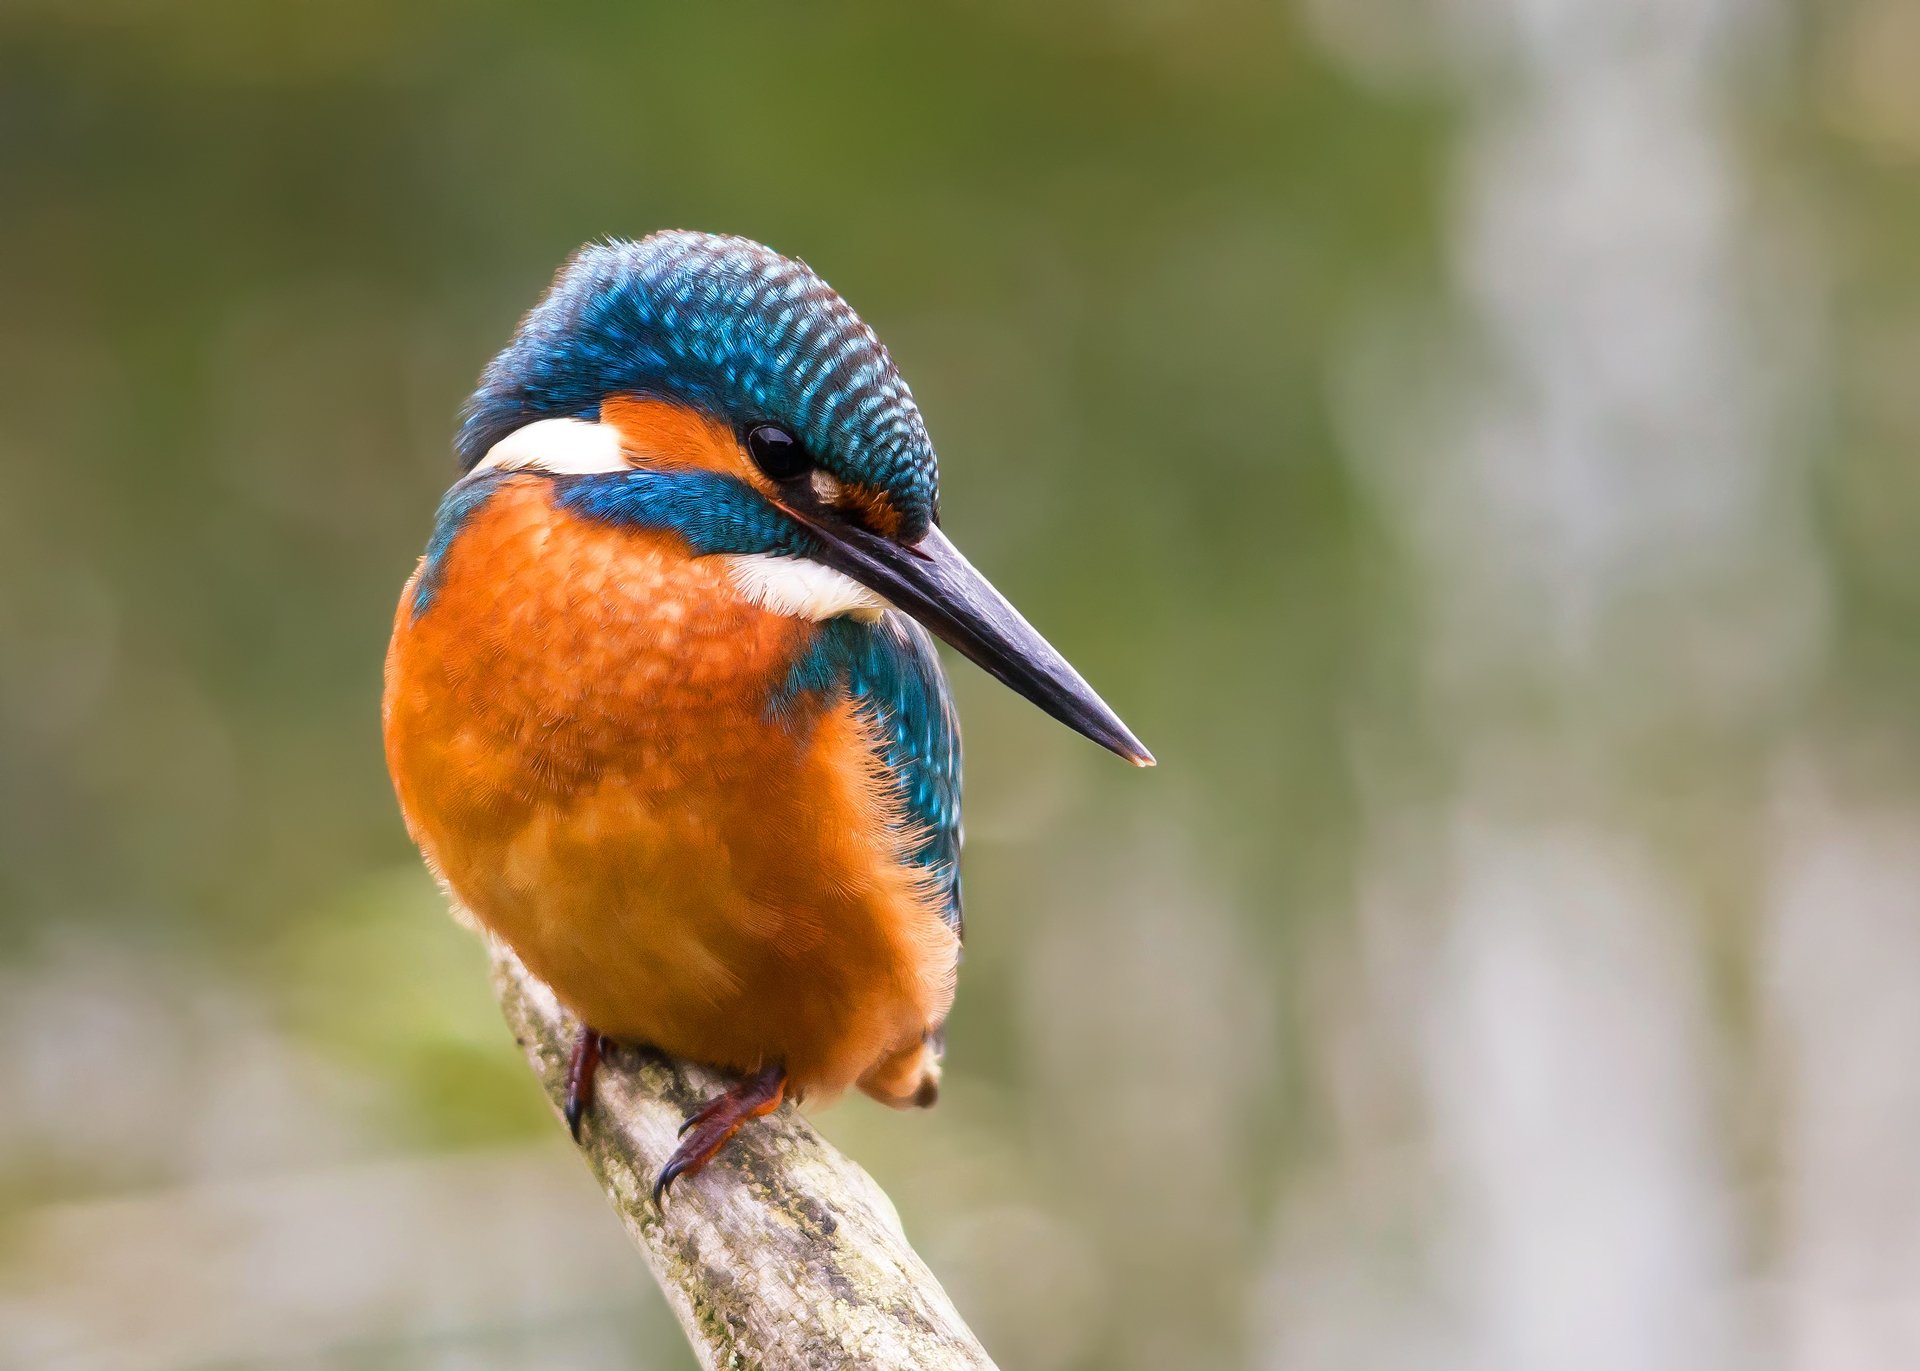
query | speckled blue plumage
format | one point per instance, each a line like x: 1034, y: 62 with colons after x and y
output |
x: 729, y: 327
x: 891, y: 668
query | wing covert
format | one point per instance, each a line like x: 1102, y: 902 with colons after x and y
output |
x: 892, y: 668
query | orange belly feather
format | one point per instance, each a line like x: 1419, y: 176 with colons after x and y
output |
x: 577, y: 727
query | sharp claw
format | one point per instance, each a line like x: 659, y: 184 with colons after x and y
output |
x: 581, y: 1068
x: 714, y: 1124
x: 701, y: 1115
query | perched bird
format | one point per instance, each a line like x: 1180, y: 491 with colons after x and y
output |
x: 661, y: 707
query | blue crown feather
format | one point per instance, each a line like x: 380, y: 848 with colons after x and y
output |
x: 726, y: 326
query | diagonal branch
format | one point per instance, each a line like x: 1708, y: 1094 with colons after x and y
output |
x: 782, y: 1253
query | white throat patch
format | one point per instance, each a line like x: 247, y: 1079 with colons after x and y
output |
x: 564, y: 447
x: 801, y: 589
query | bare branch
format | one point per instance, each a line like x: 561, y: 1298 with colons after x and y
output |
x: 782, y: 1253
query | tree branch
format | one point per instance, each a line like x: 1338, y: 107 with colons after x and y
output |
x: 782, y: 1253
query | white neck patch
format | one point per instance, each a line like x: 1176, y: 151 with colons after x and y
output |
x: 801, y: 589
x: 562, y: 447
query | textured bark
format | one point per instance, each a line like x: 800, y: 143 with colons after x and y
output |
x: 782, y: 1253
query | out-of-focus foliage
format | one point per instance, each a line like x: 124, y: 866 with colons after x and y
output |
x: 1473, y: 444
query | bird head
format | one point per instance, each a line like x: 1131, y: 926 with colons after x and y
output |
x: 714, y: 356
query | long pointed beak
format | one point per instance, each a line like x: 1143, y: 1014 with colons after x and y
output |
x: 936, y: 585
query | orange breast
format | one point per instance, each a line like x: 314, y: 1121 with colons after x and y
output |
x: 578, y: 729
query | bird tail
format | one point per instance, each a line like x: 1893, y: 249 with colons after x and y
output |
x: 909, y: 1079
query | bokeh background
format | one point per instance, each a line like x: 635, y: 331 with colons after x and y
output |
x: 1475, y: 442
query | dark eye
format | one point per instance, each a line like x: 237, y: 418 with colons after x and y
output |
x: 777, y: 452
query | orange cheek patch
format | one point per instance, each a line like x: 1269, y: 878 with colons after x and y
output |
x: 875, y: 508
x: 664, y: 435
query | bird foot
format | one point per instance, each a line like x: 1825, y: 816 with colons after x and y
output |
x: 707, y: 1130
x: 582, y: 1067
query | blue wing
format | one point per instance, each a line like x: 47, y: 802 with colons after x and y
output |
x: 892, y: 668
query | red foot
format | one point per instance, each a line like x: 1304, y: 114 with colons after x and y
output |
x: 709, y: 1129
x: 581, y: 1068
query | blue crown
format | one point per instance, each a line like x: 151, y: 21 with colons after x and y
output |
x: 725, y: 326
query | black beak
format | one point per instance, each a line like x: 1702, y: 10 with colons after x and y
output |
x: 936, y: 585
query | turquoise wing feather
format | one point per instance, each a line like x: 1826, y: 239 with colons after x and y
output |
x: 891, y: 668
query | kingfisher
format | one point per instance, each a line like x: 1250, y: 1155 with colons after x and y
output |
x: 662, y: 705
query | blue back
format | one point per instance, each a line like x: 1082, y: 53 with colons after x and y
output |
x: 725, y: 326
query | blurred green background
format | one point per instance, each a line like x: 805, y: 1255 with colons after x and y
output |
x: 1476, y: 443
